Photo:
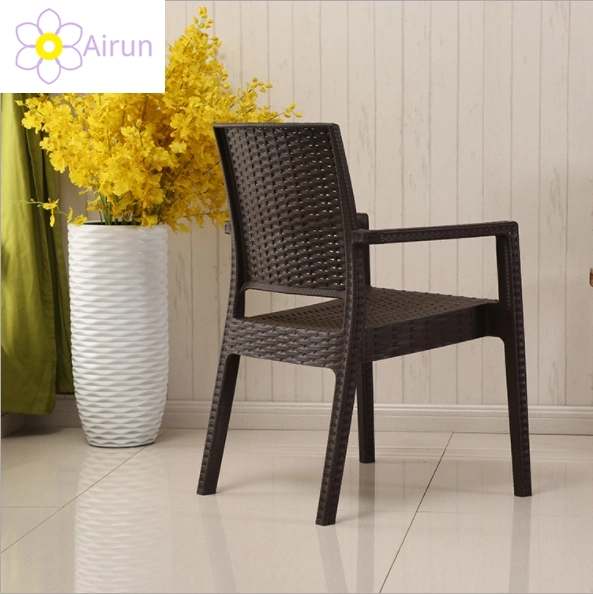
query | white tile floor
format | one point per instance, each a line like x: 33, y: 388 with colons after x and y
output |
x: 434, y: 514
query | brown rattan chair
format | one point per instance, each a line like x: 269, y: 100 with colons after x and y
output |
x: 295, y: 229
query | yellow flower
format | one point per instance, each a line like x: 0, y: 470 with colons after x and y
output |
x: 70, y: 215
x: 50, y: 205
x: 152, y: 158
x: 150, y: 220
x: 178, y: 147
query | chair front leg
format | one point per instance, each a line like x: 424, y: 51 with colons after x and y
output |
x: 218, y: 425
x: 366, y: 415
x: 337, y: 444
x: 513, y: 335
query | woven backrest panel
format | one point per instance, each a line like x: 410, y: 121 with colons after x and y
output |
x: 285, y: 194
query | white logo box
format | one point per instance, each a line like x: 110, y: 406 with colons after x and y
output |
x: 63, y: 46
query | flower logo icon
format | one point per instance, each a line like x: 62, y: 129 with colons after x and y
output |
x: 48, y: 46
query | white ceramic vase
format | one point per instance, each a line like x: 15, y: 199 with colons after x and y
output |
x: 120, y: 336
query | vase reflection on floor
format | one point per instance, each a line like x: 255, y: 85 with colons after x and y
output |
x: 122, y: 541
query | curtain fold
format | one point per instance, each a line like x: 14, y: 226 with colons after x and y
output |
x: 36, y: 357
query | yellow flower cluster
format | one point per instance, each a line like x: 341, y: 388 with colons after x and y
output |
x: 152, y: 158
x: 52, y: 206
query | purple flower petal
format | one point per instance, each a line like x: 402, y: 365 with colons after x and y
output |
x: 49, y: 21
x: 70, y: 34
x: 27, y: 58
x: 70, y: 58
x: 49, y: 70
x: 28, y: 34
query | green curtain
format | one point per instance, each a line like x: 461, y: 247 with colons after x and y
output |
x: 36, y: 356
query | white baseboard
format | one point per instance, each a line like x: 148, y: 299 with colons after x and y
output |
x: 558, y: 420
x: 11, y: 422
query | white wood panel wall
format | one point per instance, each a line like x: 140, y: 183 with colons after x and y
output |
x: 450, y: 112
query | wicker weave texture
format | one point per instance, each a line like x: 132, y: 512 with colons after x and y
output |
x: 295, y: 229
x: 289, y: 206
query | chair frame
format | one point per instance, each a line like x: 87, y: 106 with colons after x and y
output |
x: 350, y: 351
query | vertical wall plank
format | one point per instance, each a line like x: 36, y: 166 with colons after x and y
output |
x: 254, y: 64
x: 361, y: 104
x: 443, y: 180
x: 306, y: 31
x: 416, y: 170
x: 206, y: 341
x: 333, y: 94
x: 205, y: 291
x: 362, y: 74
x: 553, y: 180
x: 497, y: 169
x: 306, y: 58
x: 388, y: 210
x: 181, y: 340
x: 334, y: 64
x: 227, y: 27
x: 470, y: 185
x: 525, y: 174
x: 579, y: 294
x: 281, y: 75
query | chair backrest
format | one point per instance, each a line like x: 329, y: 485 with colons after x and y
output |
x: 291, y: 205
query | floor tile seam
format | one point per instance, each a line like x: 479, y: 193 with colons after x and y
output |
x: 507, y: 451
x: 195, y: 507
x: 308, y: 450
x: 35, y: 527
x: 66, y: 504
x: 508, y: 514
x: 415, y: 514
x: 28, y: 507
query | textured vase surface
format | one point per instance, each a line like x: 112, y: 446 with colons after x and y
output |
x: 120, y: 542
x: 120, y: 336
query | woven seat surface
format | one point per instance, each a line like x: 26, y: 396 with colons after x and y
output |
x: 383, y: 307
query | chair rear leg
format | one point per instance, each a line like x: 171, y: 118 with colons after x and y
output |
x: 218, y: 425
x: 366, y: 419
x: 337, y: 443
x: 514, y: 350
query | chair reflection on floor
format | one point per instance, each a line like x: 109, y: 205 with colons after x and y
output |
x: 331, y: 557
x: 520, y: 546
x: 218, y: 548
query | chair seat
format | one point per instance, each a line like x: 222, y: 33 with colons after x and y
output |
x: 384, y: 307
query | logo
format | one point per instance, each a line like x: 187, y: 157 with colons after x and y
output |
x: 69, y: 46
x: 49, y: 46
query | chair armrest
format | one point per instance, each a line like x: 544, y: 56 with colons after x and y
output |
x: 363, y: 220
x: 379, y: 236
